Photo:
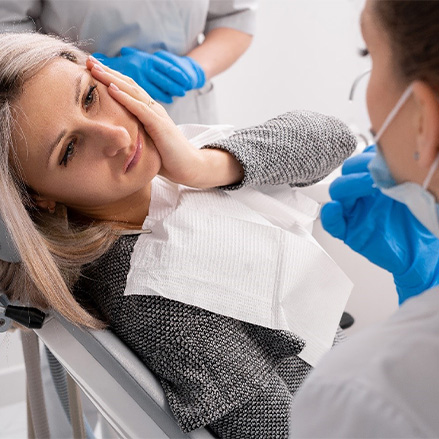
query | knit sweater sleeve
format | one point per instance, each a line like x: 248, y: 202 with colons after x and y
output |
x: 299, y: 148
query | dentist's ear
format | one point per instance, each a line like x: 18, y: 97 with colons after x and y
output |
x: 426, y: 123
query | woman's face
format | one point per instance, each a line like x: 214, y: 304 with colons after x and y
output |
x: 77, y: 146
x: 384, y: 90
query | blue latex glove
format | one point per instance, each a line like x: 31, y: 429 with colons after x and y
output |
x: 381, y: 229
x: 187, y: 65
x: 160, y: 78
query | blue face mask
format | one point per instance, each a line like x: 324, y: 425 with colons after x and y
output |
x: 421, y: 203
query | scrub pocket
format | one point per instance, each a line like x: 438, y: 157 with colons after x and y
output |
x: 197, y: 107
x: 206, y: 104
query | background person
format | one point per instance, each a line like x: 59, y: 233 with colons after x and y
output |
x: 126, y: 34
x: 383, y: 382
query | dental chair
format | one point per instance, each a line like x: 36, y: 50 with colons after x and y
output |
x: 124, y: 391
x: 127, y: 395
x: 119, y: 385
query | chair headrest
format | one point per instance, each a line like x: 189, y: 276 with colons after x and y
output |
x: 8, y: 251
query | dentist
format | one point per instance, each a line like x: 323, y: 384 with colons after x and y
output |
x: 384, y: 382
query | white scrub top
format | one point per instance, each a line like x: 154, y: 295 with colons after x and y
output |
x: 381, y: 383
x: 149, y: 25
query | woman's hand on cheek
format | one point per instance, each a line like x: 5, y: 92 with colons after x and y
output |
x: 181, y: 161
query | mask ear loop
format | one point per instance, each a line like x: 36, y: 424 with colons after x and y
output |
x: 431, y: 171
x: 392, y: 114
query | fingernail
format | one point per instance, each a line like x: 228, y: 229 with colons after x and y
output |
x: 114, y: 86
x: 93, y: 59
x: 98, y: 68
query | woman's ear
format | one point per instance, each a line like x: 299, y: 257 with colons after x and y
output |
x: 44, y: 203
x: 426, y: 123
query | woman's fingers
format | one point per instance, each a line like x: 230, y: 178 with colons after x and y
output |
x: 180, y: 159
x: 108, y: 76
x: 151, y: 114
x: 92, y: 61
x: 136, y: 106
x: 124, y: 84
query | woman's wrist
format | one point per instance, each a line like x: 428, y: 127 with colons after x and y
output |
x: 218, y: 168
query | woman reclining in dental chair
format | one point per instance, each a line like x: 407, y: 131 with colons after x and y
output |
x: 101, y: 191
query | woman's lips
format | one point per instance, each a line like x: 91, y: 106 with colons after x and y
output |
x: 135, y: 156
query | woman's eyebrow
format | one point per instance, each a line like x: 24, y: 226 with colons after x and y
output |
x: 78, y: 87
x: 55, y: 143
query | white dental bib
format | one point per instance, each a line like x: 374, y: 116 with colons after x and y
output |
x: 242, y: 254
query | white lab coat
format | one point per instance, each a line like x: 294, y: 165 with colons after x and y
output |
x: 381, y: 383
x: 148, y: 25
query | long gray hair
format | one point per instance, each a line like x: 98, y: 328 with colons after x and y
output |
x: 52, y: 251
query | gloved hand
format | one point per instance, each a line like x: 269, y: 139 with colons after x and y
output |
x: 187, y: 65
x: 381, y: 229
x: 160, y: 78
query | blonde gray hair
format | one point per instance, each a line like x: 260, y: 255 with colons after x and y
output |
x: 51, y: 249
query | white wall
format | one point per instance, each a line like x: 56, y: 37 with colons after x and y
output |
x: 303, y: 57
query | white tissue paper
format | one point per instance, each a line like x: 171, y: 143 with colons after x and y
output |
x: 247, y: 254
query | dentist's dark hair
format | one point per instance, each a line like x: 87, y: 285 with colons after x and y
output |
x: 413, y: 30
x: 51, y: 250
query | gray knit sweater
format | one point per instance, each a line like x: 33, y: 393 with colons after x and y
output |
x: 235, y: 378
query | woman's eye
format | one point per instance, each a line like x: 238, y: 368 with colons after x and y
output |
x: 90, y: 97
x: 70, y: 151
x: 363, y: 52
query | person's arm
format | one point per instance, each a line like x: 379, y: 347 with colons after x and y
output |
x: 299, y: 148
x: 164, y: 75
x: 19, y: 16
x: 181, y: 161
x: 229, y: 30
x: 221, y: 48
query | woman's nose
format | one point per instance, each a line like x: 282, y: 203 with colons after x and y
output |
x: 113, y: 139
